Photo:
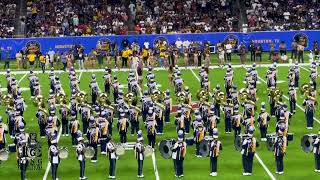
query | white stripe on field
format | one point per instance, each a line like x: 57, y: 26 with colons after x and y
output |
x: 22, y: 77
x: 156, y: 68
x: 154, y: 162
x: 256, y: 154
x: 287, y: 98
x: 59, y: 135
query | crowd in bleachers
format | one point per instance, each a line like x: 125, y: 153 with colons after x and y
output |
x: 75, y: 17
x: 7, y: 17
x: 280, y: 15
x: 107, y: 17
x: 184, y: 16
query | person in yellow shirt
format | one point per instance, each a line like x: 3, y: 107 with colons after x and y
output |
x: 43, y: 60
x: 162, y: 56
x: 125, y: 56
x: 31, y: 58
x: 145, y: 55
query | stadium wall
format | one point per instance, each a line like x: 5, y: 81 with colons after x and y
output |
x: 66, y: 43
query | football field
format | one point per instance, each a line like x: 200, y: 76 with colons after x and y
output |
x: 297, y: 164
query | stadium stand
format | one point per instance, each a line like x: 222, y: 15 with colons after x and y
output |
x: 179, y: 16
x: 281, y: 15
x: 75, y: 18
x: 8, y: 15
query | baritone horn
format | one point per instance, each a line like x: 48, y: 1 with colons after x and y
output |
x: 165, y: 148
x: 203, y: 95
x: 307, y: 142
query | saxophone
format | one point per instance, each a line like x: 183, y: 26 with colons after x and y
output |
x: 96, y: 135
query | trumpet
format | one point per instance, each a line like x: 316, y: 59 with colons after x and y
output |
x: 220, y: 98
x: 38, y: 101
x: 61, y: 98
x: 103, y: 99
x: 182, y: 97
x: 276, y: 95
x: 305, y: 89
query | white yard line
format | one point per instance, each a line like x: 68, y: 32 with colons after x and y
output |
x: 58, y: 138
x: 154, y: 162
x: 23, y: 77
x: 287, y: 98
x: 156, y: 68
x: 256, y: 154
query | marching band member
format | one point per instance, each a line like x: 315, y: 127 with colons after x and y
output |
x: 168, y: 107
x: 107, y: 81
x: 280, y: 146
x: 104, y: 134
x: 64, y: 112
x: 123, y: 125
x: 228, y: 113
x: 159, y: 118
x: 74, y: 127
x: 236, y: 120
x: 51, y: 98
x: 52, y: 79
x: 134, y: 120
x: 94, y: 89
x: 228, y: 82
x: 42, y: 121
x: 54, y: 158
x: 254, y: 75
x: 31, y: 78
x: 316, y: 152
x: 215, y: 148
x: 115, y: 87
x: 263, y: 120
x: 73, y: 102
x: 216, y: 103
x: 198, y: 136
x: 151, y: 125
x: 85, y: 112
x: 111, y: 148
x: 139, y: 153
x: 272, y: 102
x: 180, y: 121
x: 213, y: 120
x: 313, y: 78
x: 234, y: 95
x: 292, y: 99
x: 93, y: 136
x: 179, y: 152
x: 309, y: 110
x: 297, y: 74
x: 3, y: 132
x: 80, y: 157
x: 249, y: 145
x: 21, y: 140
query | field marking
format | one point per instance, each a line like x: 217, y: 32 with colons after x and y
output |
x: 23, y: 77
x: 156, y: 68
x: 287, y: 98
x: 59, y: 135
x: 256, y: 154
x: 154, y: 162
x: 305, y: 69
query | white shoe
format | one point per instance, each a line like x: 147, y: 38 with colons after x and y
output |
x: 132, y: 134
x: 277, y: 172
x: 94, y: 161
x: 213, y: 174
x: 84, y: 177
x: 249, y: 174
x: 67, y: 134
x: 316, y: 170
x: 281, y: 172
x: 181, y: 175
x: 110, y: 177
x: 103, y: 153
x: 244, y: 174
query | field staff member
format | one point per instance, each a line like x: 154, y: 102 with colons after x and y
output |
x: 31, y: 58
x: 316, y: 151
x: 179, y: 152
x: 280, y: 146
x: 125, y: 56
x: 214, y: 153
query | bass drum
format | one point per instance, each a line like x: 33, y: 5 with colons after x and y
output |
x: 148, y: 151
x: 165, y: 148
x: 270, y: 142
x: 4, y: 155
x: 307, y: 143
x: 204, y: 148
x: 120, y: 150
x: 237, y: 142
x: 63, y: 153
x: 89, y: 152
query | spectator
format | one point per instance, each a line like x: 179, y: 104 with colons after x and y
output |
x: 64, y: 61
x: 81, y: 58
x: 272, y: 50
x: 51, y: 54
x: 19, y: 59
x: 259, y: 52
x: 243, y: 53
x: 300, y: 50
x: 294, y: 46
x: 283, y: 48
x: 228, y: 48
